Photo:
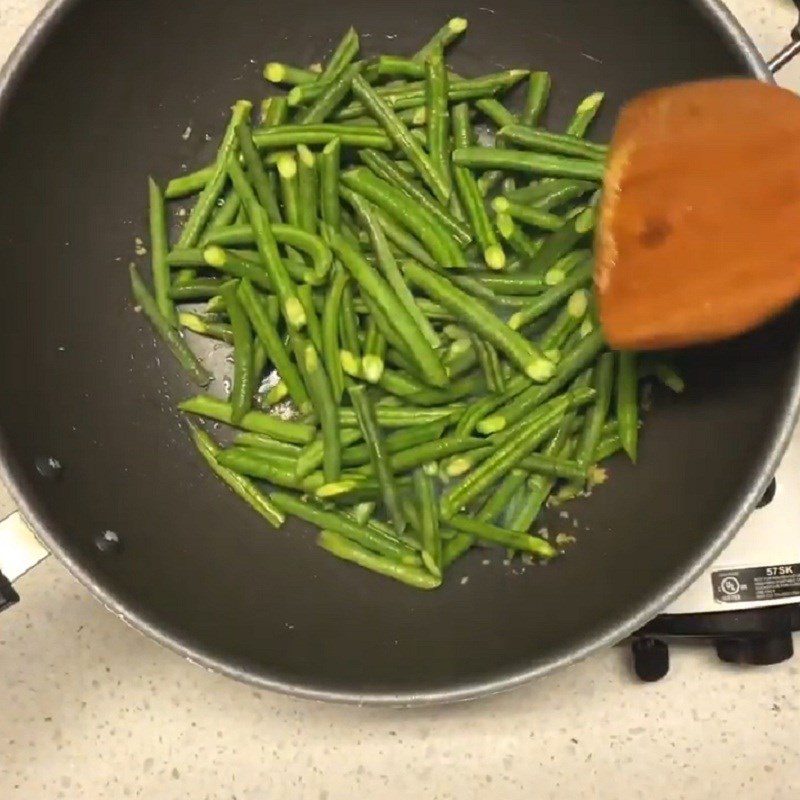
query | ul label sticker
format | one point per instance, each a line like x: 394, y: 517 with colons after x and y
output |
x: 751, y: 584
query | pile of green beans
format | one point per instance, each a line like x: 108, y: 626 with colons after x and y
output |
x: 417, y: 363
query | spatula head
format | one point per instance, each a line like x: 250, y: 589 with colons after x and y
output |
x: 699, y: 235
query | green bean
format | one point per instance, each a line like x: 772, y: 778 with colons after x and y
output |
x: 306, y: 295
x: 240, y: 485
x: 261, y: 441
x: 402, y: 240
x: 387, y: 170
x: 283, y: 136
x: 329, y: 170
x: 401, y: 439
x: 471, y: 197
x: 460, y: 358
x: 553, y: 466
x: 542, y: 141
x: 330, y: 98
x: 443, y: 37
x: 312, y: 455
x: 496, y: 111
x: 159, y: 248
x: 224, y: 261
x: 393, y: 66
x: 374, y: 350
x: 536, y: 98
x: 527, y: 214
x: 275, y: 72
x: 189, y: 184
x: 403, y: 416
x: 608, y: 446
x: 242, y: 389
x: 416, y: 456
x: 290, y: 193
x: 578, y: 278
x: 186, y: 258
x: 513, y: 283
x: 568, y: 320
x: 255, y: 421
x: 347, y: 550
x: 528, y: 399
x: 350, y: 352
x: 198, y: 289
x: 507, y: 455
x: 322, y: 399
x: 585, y: 114
x: 551, y: 194
x: 366, y: 535
x: 490, y: 364
x: 330, y: 331
x: 562, y: 241
x: 277, y: 470
x: 378, y: 453
x: 279, y: 278
x: 597, y: 414
x: 525, y: 161
x: 274, y: 111
x: 489, y: 181
x: 161, y: 325
x: 196, y: 324
x: 540, y: 485
x: 480, y: 319
x: 460, y: 389
x: 342, y: 56
x: 425, y: 494
x: 400, y: 384
x: 437, y: 116
x: 390, y: 270
x: 278, y: 354
x: 520, y: 242
x: 307, y: 189
x: 628, y: 402
x: 497, y: 502
x: 401, y: 137
x: 384, y: 296
x: 413, y: 95
x: 256, y: 173
x: 502, y: 536
x: 199, y: 215
x: 224, y: 214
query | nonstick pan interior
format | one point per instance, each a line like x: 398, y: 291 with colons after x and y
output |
x: 99, y: 100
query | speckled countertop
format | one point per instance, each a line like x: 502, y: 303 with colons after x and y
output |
x: 91, y: 709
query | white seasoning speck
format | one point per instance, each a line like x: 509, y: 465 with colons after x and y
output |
x: 187, y: 133
x: 465, y: 579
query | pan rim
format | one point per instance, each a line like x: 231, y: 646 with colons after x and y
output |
x: 729, y: 27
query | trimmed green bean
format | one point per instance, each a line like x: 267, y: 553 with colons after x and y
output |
x: 342, y: 56
x: 189, y: 184
x: 378, y: 453
x: 240, y: 485
x: 404, y: 416
x: 307, y: 190
x: 628, y: 402
x: 502, y: 536
x: 551, y: 194
x: 374, y: 350
x: 597, y: 414
x: 198, y: 289
x: 437, y: 116
x: 330, y: 98
x: 542, y: 141
x: 350, y: 352
x: 526, y: 161
x: 425, y: 493
x: 242, y: 389
x: 443, y: 37
x: 528, y: 214
x: 384, y: 296
x: 577, y: 279
x: 387, y: 170
x: 471, y: 197
x: 274, y: 111
x: 347, y: 550
x: 159, y: 248
x: 199, y: 215
x: 401, y: 137
x: 520, y: 242
x: 257, y: 175
x: 536, y: 98
x: 330, y: 331
x: 585, y: 114
x: 161, y: 325
x: 322, y: 399
x: 479, y: 318
x: 498, y: 501
x: 312, y: 455
x: 402, y: 439
x: 276, y: 72
x: 490, y: 364
x: 283, y: 136
x: 329, y: 170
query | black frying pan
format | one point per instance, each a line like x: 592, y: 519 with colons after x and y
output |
x: 96, y: 98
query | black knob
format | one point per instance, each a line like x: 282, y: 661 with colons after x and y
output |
x: 650, y: 659
x: 756, y: 650
x: 7, y: 594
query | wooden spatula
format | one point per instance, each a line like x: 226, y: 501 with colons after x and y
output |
x: 699, y: 235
